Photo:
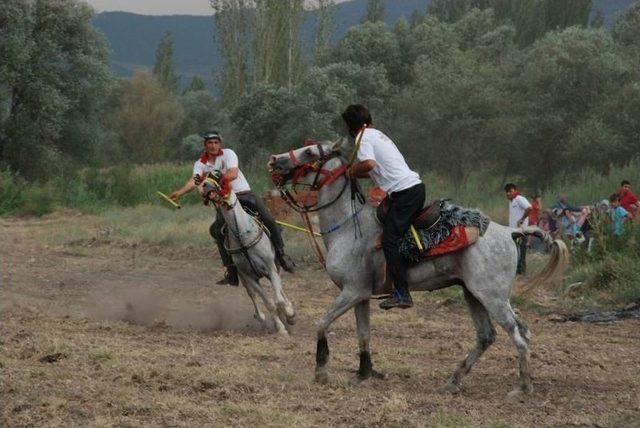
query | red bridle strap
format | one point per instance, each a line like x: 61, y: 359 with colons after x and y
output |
x: 330, y: 176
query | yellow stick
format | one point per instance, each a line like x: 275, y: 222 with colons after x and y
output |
x: 168, y: 199
x: 417, y: 238
x: 294, y: 227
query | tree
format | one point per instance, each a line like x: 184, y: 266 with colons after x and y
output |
x: 368, y: 44
x: 324, y: 28
x: 197, y: 84
x: 148, y: 120
x: 626, y: 31
x: 375, y: 11
x: 457, y: 113
x: 278, y: 51
x: 54, y: 73
x: 567, y: 77
x: 164, y: 68
x: 232, y: 23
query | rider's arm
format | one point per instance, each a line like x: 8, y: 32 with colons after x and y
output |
x: 361, y: 169
x: 188, y: 186
x: 231, y: 174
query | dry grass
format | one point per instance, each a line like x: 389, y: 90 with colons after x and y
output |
x: 192, y: 355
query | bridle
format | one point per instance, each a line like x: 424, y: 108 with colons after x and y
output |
x: 300, y: 170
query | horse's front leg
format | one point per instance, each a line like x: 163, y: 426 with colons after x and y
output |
x: 362, y: 311
x: 346, y: 300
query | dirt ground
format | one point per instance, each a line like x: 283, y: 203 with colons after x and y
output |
x: 97, y: 333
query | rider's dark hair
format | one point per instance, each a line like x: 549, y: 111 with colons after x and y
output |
x: 625, y: 182
x: 355, y: 116
x: 510, y: 186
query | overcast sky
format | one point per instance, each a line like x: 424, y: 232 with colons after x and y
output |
x: 157, y: 7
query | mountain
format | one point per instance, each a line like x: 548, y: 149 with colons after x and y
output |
x: 134, y: 38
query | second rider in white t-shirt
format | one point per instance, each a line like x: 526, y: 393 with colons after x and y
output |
x: 379, y: 159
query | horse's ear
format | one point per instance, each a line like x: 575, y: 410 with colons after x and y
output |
x: 337, y: 145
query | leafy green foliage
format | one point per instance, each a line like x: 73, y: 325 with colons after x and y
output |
x: 165, y: 69
x: 53, y: 73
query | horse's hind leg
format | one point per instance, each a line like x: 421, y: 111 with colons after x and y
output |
x: 519, y: 333
x: 485, y: 336
x: 271, y: 307
x: 283, y: 304
x: 345, y: 301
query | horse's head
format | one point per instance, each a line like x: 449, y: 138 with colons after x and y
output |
x: 217, y: 189
x: 296, y: 166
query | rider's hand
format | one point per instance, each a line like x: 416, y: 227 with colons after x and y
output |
x: 175, y: 196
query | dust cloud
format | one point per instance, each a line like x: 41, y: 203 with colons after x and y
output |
x: 153, y: 308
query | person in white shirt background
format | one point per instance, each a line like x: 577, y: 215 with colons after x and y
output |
x: 519, y: 209
x: 379, y: 159
x: 214, y: 158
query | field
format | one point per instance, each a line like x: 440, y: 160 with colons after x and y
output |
x: 97, y: 329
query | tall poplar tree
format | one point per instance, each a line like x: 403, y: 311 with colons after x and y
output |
x: 325, y: 14
x: 278, y: 51
x: 164, y: 68
x: 375, y: 11
x: 233, y: 20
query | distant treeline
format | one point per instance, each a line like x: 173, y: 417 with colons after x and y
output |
x: 519, y: 89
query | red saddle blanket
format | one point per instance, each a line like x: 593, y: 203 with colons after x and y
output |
x: 460, y: 238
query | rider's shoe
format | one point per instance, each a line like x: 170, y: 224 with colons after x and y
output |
x: 230, y: 277
x: 285, y: 261
x: 399, y: 299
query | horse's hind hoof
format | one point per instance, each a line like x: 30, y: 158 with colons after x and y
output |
x: 519, y: 395
x: 291, y: 320
x: 322, y: 377
x: 449, y: 388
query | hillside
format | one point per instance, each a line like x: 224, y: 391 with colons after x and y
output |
x: 134, y: 38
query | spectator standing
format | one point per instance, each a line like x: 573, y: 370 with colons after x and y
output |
x: 519, y: 209
x: 618, y: 215
x: 627, y: 199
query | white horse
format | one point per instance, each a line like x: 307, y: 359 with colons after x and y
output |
x: 485, y: 270
x: 250, y: 247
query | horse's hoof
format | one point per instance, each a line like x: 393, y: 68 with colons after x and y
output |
x: 371, y: 374
x: 449, y: 388
x: 291, y: 320
x: 322, y: 377
x: 518, y: 395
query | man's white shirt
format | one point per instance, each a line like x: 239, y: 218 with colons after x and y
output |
x: 223, y: 163
x: 517, y: 207
x: 391, y: 173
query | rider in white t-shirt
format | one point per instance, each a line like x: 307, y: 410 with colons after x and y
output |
x: 379, y: 159
x: 215, y: 158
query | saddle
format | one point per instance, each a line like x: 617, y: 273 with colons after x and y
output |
x: 434, y: 228
x: 428, y: 217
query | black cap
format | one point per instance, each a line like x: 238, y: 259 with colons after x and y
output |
x: 210, y: 135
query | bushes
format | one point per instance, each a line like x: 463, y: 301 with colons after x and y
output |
x: 19, y: 198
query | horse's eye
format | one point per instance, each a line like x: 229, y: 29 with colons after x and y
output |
x: 308, y: 152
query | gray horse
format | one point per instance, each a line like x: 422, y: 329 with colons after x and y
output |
x: 485, y: 271
x: 253, y: 254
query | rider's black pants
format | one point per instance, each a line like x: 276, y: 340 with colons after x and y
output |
x: 404, y: 207
x: 249, y: 201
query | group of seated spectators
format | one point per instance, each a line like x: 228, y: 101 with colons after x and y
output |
x: 574, y: 222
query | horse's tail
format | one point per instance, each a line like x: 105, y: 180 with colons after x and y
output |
x: 557, y: 262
